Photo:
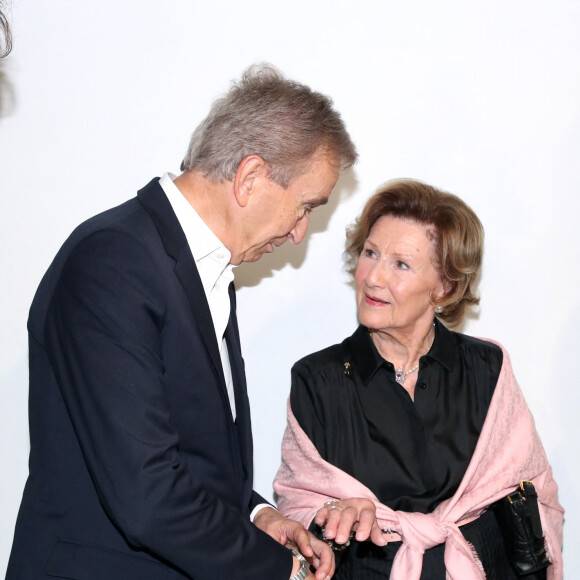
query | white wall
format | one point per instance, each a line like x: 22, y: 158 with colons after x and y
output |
x: 480, y: 98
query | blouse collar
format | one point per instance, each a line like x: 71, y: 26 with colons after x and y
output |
x: 367, y: 359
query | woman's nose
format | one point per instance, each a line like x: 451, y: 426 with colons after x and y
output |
x: 377, y: 275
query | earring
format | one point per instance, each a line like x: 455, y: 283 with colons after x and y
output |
x: 438, y: 309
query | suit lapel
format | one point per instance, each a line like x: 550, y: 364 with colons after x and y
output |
x: 155, y: 202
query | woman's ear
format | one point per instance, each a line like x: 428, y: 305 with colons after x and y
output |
x: 443, y: 289
x: 446, y: 288
x: 249, y: 171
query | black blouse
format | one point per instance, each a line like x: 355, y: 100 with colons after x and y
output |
x: 411, y: 454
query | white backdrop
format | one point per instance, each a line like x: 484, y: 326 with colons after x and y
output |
x: 481, y: 99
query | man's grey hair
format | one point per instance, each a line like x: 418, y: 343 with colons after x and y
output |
x: 282, y: 121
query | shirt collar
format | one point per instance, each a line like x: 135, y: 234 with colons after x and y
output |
x: 201, y: 239
x: 444, y: 346
x: 211, y: 256
x: 367, y: 360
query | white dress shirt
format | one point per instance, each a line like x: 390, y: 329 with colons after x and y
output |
x: 212, y: 259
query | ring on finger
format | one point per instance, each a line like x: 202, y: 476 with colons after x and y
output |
x: 330, y: 502
x: 335, y: 507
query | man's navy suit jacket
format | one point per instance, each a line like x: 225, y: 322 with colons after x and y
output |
x: 137, y: 468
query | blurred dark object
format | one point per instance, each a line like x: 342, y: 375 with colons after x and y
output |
x: 5, y: 34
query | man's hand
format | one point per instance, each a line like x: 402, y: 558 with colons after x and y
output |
x: 350, y: 515
x: 285, y: 531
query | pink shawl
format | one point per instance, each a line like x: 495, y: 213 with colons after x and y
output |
x: 508, y: 450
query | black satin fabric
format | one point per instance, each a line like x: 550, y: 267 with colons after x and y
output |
x: 411, y: 454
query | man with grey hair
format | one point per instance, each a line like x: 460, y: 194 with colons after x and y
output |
x: 141, y: 447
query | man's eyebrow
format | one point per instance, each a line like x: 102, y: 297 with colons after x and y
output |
x: 317, y: 202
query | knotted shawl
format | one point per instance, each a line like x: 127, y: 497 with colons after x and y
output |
x: 508, y: 450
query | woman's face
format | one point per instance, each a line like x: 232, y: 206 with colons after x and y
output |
x: 396, y: 280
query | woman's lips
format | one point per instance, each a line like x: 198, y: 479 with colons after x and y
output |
x: 374, y: 301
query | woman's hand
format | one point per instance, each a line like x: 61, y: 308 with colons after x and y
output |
x: 342, y: 517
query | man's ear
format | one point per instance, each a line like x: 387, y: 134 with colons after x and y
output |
x: 250, y: 170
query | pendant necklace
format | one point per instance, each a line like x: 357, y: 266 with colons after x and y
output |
x: 401, y: 375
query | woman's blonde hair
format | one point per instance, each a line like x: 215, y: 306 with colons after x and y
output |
x: 455, y: 232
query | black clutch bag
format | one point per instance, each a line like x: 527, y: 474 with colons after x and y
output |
x: 519, y: 520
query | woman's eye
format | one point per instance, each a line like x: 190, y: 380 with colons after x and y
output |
x: 369, y: 253
x: 402, y: 265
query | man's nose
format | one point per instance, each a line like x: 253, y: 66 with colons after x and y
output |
x: 298, y: 232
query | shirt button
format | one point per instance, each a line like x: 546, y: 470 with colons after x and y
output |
x: 423, y: 385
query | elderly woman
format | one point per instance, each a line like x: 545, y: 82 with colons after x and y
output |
x: 401, y: 437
